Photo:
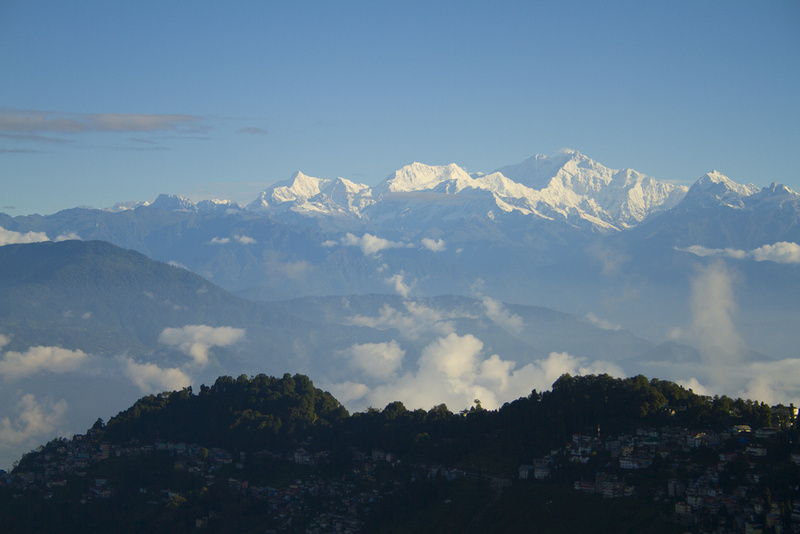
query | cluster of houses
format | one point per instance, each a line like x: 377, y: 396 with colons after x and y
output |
x: 739, y: 480
x: 727, y: 490
x: 341, y: 504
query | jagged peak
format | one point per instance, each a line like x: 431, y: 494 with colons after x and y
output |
x: 419, y: 176
x: 778, y: 189
x: 173, y: 203
x: 715, y: 180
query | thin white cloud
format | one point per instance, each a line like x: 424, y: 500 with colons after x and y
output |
x: 241, y: 239
x: 4, y: 340
x: 780, y: 252
x: 601, y: 323
x: 369, y: 244
x: 414, y: 323
x: 67, y: 237
x: 713, y: 308
x: 244, y: 240
x: 497, y: 312
x: 196, y: 340
x: 150, y: 378
x: 434, y: 245
x: 10, y: 237
x: 276, y: 266
x: 611, y: 261
x: 376, y: 360
x: 400, y: 286
x: 33, y: 420
x: 16, y: 365
x: 348, y: 391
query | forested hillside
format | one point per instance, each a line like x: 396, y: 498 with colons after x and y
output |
x: 250, y: 454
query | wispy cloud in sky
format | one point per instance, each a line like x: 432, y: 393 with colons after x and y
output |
x: 30, y: 121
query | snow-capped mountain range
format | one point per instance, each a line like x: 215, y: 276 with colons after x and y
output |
x: 568, y: 187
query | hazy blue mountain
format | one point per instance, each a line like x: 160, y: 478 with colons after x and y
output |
x: 85, y: 324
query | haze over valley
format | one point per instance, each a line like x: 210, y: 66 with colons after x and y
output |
x: 435, y: 285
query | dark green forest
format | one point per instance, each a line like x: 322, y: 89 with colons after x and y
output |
x: 268, y: 454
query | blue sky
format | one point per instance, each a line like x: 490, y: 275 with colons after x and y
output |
x: 102, y: 102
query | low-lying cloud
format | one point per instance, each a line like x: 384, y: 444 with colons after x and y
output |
x: 369, y: 244
x: 453, y: 370
x: 196, y: 340
x: 150, y: 378
x: 497, y: 312
x: 16, y: 365
x: 33, y: 420
x: 241, y: 239
x: 713, y: 309
x: 602, y: 323
x: 434, y: 245
x: 376, y: 360
x: 417, y: 321
x: 10, y: 237
x: 782, y: 252
x: 401, y: 287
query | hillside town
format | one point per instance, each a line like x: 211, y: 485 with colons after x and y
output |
x: 738, y: 480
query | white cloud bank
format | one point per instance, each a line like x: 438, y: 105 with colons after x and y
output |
x: 10, y: 237
x: 781, y: 252
x: 377, y: 360
x: 151, y: 378
x: 724, y: 369
x: 33, y: 420
x: 16, y: 365
x: 453, y: 370
x: 196, y: 340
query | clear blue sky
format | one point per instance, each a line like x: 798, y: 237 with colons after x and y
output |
x: 104, y: 101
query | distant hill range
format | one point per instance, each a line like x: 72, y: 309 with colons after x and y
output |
x: 556, y: 263
x: 97, y: 297
x: 562, y: 231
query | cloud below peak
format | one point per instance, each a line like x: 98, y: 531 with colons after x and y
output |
x: 16, y: 365
x: 196, y: 340
x: 781, y: 252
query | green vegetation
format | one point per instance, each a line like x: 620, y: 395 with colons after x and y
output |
x: 255, y: 454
